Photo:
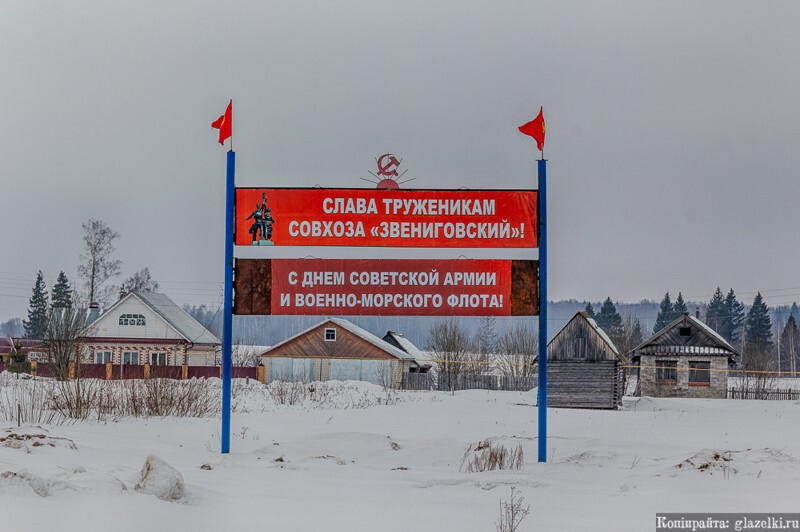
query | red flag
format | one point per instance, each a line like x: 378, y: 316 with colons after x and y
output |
x: 535, y: 128
x: 223, y: 123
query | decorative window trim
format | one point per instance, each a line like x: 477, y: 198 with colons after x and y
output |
x: 132, y: 319
x: 158, y: 359
x: 330, y: 334
x: 130, y: 358
x: 102, y: 357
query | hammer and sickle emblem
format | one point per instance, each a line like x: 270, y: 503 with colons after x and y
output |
x: 387, y: 165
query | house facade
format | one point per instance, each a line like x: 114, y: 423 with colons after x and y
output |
x: 584, y: 367
x: 687, y: 358
x: 337, y: 349
x: 148, y: 328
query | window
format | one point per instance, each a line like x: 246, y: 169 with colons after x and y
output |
x: 685, y: 331
x: 699, y: 373
x: 330, y: 335
x: 131, y: 319
x: 580, y: 347
x: 158, y: 359
x: 666, y: 372
x: 130, y: 357
x: 102, y: 357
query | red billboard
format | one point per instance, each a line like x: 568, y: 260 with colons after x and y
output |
x: 386, y: 218
x: 386, y: 287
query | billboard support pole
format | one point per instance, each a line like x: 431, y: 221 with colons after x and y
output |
x: 542, y: 309
x: 227, y: 316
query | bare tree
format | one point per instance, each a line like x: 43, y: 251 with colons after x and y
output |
x: 486, y: 339
x: 518, y: 348
x: 97, y: 265
x: 453, y: 348
x: 62, y: 340
x: 140, y: 280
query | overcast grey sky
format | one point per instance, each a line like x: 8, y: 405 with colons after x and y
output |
x: 672, y: 129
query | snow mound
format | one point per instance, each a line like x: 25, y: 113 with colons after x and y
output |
x: 25, y: 478
x: 161, y: 479
x: 710, y: 461
x: 28, y: 442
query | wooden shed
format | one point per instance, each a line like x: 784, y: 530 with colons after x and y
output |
x: 687, y: 358
x: 584, y: 368
x: 337, y: 349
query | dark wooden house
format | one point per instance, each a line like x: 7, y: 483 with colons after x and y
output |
x: 584, y: 368
x: 336, y: 349
x: 687, y: 358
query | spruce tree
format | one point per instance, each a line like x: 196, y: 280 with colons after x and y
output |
x: 610, y: 321
x: 665, y: 314
x: 758, y: 328
x: 590, y: 310
x: 61, y: 296
x: 18, y: 360
x: 716, y: 311
x: 795, y: 312
x: 679, y: 308
x: 733, y: 319
x: 36, y: 324
x: 790, y: 346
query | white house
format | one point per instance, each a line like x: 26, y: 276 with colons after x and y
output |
x: 146, y: 327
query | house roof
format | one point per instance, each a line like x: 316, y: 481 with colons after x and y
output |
x: 7, y: 343
x: 600, y: 332
x: 358, y: 331
x: 406, y: 345
x: 722, y: 345
x: 175, y: 316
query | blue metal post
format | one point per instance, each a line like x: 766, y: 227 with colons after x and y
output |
x: 227, y: 317
x: 542, y: 310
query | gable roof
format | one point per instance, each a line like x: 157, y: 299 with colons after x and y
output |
x: 175, y: 316
x: 597, y: 329
x: 356, y: 330
x: 720, y: 345
x: 405, y: 344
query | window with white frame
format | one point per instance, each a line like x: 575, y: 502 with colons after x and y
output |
x: 132, y: 319
x: 102, y: 357
x: 158, y: 359
x: 330, y: 335
x: 130, y: 357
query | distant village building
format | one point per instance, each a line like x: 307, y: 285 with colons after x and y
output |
x: 33, y: 347
x: 148, y: 328
x: 584, y: 368
x: 687, y: 358
x: 336, y: 349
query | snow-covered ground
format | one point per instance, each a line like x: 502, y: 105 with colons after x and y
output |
x: 352, y: 464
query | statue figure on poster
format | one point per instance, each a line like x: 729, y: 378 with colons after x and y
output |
x: 261, y: 230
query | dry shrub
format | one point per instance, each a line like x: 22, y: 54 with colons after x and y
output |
x: 166, y: 397
x: 487, y: 456
x: 25, y: 399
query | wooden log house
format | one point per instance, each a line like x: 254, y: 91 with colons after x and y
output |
x: 584, y: 367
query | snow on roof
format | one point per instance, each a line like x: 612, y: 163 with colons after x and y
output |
x: 406, y: 345
x: 697, y: 323
x: 358, y: 331
x: 183, y: 322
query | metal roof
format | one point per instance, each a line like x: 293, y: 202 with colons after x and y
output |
x: 183, y: 322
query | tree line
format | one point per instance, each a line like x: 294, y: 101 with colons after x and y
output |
x: 97, y: 268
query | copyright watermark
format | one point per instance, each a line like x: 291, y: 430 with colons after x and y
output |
x: 727, y: 522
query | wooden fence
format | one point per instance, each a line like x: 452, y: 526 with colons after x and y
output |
x: 145, y: 371
x: 768, y: 395
x: 447, y: 383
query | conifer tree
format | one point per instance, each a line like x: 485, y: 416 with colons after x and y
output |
x: 795, y: 312
x: 790, y: 346
x: 36, y: 324
x: 733, y: 319
x: 665, y: 314
x: 679, y: 308
x: 609, y: 320
x: 590, y: 310
x: 715, y: 312
x: 61, y: 296
x: 758, y: 328
x: 18, y: 360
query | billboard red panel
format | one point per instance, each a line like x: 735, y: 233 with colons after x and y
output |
x: 386, y: 287
x: 386, y: 218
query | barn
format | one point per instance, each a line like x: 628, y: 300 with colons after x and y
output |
x: 584, y: 368
x: 687, y: 358
x: 337, y: 349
